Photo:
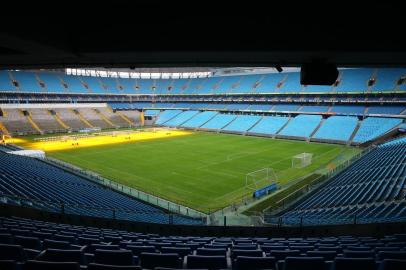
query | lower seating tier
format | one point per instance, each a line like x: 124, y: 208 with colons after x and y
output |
x: 33, y: 244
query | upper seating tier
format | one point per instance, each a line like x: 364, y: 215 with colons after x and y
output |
x: 350, y: 80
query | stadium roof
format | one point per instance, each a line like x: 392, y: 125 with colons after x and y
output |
x: 207, y: 34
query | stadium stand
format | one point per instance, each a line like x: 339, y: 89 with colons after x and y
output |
x: 314, y: 108
x: 127, y: 85
x: 166, y: 115
x: 134, y: 117
x: 219, y: 121
x: 70, y: 118
x: 301, y: 125
x: 268, y: 83
x: 260, y: 107
x: 242, y: 123
x: 370, y: 190
x: 92, y: 116
x: 74, y: 84
x: 291, y: 82
x: 16, y: 122
x: 237, y: 106
x: 338, y: 128
x: 97, y: 248
x: 350, y: 80
x: 199, y: 119
x: 340, y: 109
x: 246, y: 84
x: 5, y: 82
x: 269, y: 125
x: 386, y: 79
x: 93, y: 84
x: 373, y: 127
x: 385, y: 109
x: 30, y: 181
x: 275, y: 105
x: 181, y: 118
x: 345, y: 109
x: 151, y: 112
x: 285, y: 107
x: 45, y: 121
x: 354, y: 80
x: 114, y: 118
x: 217, y: 106
x: 111, y: 85
x: 318, y: 88
x: 27, y: 81
x: 52, y: 82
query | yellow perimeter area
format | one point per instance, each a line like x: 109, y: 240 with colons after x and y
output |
x: 70, y: 142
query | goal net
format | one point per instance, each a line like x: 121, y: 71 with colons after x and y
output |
x: 260, y: 178
x: 302, y: 160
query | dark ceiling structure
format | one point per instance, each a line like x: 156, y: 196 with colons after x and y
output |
x: 200, y: 33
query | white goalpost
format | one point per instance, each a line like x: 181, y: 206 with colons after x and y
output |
x: 260, y: 178
x: 302, y: 160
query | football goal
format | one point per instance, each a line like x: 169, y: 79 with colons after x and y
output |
x: 260, y: 178
x: 302, y: 160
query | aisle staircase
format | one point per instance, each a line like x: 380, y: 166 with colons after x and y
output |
x: 125, y: 118
x: 59, y: 120
x: 259, y: 120
x: 317, y: 128
x: 354, y: 132
x: 104, y: 118
x: 33, y: 124
x: 287, y: 123
x: 82, y: 118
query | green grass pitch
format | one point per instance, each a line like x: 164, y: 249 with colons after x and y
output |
x: 205, y: 171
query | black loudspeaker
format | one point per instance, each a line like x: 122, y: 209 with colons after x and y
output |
x: 318, y: 74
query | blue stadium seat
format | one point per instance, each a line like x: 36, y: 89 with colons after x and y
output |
x: 12, y: 252
x: 45, y: 187
x: 392, y: 264
x: 327, y: 255
x: 114, y: 257
x: 211, y: 251
x: 373, y: 127
x: 247, y: 253
x: 137, y: 250
x: 376, y: 177
x: 219, y: 121
x: 47, y: 243
x: 166, y: 116
x: 6, y: 238
x: 269, y: 125
x: 282, y: 254
x: 41, y: 265
x: 354, y: 264
x: 399, y: 255
x: 152, y: 260
x: 254, y: 263
x: 181, y: 118
x: 304, y: 263
x: 199, y: 119
x: 242, y: 123
x: 301, y: 126
x: 28, y: 242
x: 61, y: 255
x: 181, y: 251
x: 97, y: 266
x: 206, y: 262
x: 337, y: 128
x: 9, y: 265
